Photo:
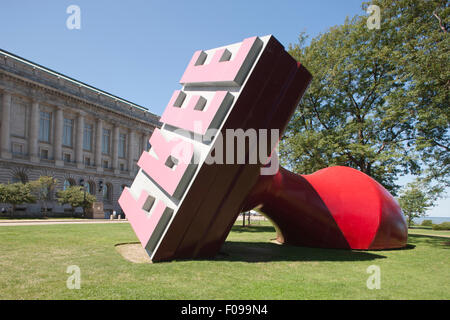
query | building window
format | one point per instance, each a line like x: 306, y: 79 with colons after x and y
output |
x: 87, y: 187
x: 90, y: 187
x: 122, y: 167
x: 68, y: 183
x: 87, y: 161
x: 19, y: 177
x: 44, y: 154
x: 105, y: 164
x: 44, y: 126
x: 122, y: 145
x: 107, y: 192
x: 67, y: 157
x: 67, y: 132
x: 17, y: 148
x: 87, y: 137
x: 106, y: 141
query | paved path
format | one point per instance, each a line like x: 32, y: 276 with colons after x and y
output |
x: 35, y: 222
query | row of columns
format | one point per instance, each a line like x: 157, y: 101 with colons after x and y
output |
x: 5, y: 142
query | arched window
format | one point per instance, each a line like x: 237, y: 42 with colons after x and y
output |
x: 107, y: 192
x: 90, y: 187
x: 87, y: 187
x: 19, y: 177
x: 68, y: 183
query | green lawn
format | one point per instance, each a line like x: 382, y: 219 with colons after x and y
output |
x: 34, y: 259
x: 429, y: 231
x: 36, y: 218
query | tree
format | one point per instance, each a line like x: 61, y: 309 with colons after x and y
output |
x: 43, y: 189
x: 415, y: 201
x: 422, y: 58
x: 76, y: 197
x: 361, y: 107
x: 15, y: 194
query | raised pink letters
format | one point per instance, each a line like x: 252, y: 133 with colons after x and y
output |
x: 197, y: 113
x: 223, y: 67
x: 143, y: 223
x: 211, y: 83
x: 171, y: 162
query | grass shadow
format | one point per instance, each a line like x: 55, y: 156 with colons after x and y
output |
x: 268, y: 252
x: 252, y: 229
x: 434, y: 241
x: 407, y: 247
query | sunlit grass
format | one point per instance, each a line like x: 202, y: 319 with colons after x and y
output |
x: 34, y: 260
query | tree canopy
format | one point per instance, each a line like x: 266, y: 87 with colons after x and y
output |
x: 378, y: 101
x: 42, y: 189
x: 15, y: 194
x: 76, y: 196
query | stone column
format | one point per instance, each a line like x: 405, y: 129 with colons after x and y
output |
x: 57, y: 147
x: 145, y: 138
x: 79, y: 141
x: 131, y: 147
x: 115, y: 149
x: 5, y: 130
x: 98, y: 145
x: 34, y: 132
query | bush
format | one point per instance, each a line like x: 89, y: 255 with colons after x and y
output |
x: 442, y: 226
x: 76, y: 196
x: 427, y: 223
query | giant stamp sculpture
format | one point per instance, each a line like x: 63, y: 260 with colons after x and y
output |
x: 195, y: 180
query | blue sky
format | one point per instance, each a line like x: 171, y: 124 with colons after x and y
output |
x: 139, y: 49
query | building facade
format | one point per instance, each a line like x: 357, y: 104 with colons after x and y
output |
x: 53, y: 125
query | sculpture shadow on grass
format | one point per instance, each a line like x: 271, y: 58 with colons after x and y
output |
x: 253, y: 228
x: 269, y: 252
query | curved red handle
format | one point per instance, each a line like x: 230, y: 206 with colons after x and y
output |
x: 336, y: 207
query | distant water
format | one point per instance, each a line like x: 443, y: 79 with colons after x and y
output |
x: 435, y: 220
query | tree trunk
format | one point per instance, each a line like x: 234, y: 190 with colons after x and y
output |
x: 243, y: 219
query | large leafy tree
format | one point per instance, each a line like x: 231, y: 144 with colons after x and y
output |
x: 422, y: 57
x: 361, y: 109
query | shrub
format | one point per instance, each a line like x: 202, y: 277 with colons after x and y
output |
x: 15, y: 194
x: 76, y: 196
x: 442, y: 226
x: 427, y: 223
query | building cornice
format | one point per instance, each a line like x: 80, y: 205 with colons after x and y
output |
x: 33, y: 73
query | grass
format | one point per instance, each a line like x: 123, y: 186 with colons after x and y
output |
x: 37, y: 218
x: 34, y: 260
x: 429, y: 231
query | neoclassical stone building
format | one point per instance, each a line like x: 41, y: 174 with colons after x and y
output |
x: 56, y: 126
